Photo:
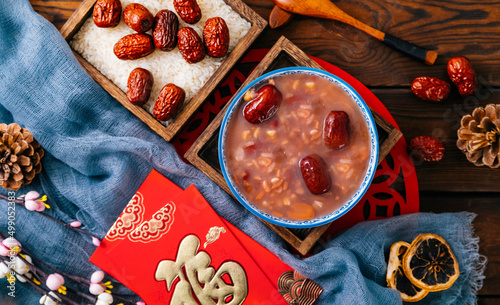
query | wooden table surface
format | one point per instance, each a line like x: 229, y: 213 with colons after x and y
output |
x: 453, y: 27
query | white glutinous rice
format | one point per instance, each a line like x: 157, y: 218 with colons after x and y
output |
x: 96, y: 46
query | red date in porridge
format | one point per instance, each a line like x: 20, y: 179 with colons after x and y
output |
x: 307, y: 153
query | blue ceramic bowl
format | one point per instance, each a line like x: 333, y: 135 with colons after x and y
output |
x: 372, y: 165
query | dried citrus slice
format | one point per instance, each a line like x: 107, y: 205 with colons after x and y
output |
x: 430, y: 264
x: 396, y: 278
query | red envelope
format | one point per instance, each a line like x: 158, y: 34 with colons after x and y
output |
x: 134, y: 214
x: 185, y: 254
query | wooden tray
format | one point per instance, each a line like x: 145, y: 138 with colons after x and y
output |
x: 84, y: 11
x: 204, y: 152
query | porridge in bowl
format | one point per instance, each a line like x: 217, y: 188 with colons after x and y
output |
x: 297, y: 146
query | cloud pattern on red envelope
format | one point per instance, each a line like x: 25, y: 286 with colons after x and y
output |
x: 131, y: 217
x: 154, y: 228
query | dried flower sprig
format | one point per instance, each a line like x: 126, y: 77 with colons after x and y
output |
x: 26, y: 279
x: 19, y: 265
x: 32, y: 201
x: 27, y: 272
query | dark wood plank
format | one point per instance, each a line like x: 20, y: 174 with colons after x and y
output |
x: 76, y: 20
x: 487, y: 226
x: 56, y: 11
x: 489, y: 300
x: 456, y: 27
x: 416, y: 117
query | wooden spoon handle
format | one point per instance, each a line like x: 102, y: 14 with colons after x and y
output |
x: 419, y: 53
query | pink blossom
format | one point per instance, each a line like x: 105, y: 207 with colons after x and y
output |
x: 96, y: 289
x: 34, y: 205
x: 54, y: 281
x: 4, y: 251
x: 8, y: 247
x: 32, y: 195
x: 31, y: 205
x: 97, y: 277
x: 76, y: 224
x: 41, y: 206
x: 96, y: 241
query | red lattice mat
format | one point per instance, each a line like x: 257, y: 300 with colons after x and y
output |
x: 394, y: 190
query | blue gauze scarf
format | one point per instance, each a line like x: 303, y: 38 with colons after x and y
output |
x: 98, y: 154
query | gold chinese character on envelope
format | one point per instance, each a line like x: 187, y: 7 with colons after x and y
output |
x: 197, y: 279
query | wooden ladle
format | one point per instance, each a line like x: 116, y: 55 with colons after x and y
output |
x: 328, y: 10
x: 279, y: 17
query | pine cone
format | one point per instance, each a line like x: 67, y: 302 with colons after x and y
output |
x: 20, y: 156
x: 479, y: 136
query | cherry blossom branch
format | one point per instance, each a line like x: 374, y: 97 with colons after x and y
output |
x: 75, y: 278
x: 55, y: 281
x: 31, y: 202
x: 34, y: 275
x: 40, y: 289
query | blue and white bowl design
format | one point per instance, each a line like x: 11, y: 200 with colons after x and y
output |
x: 372, y: 165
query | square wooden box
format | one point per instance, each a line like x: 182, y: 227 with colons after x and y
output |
x: 85, y: 10
x: 204, y: 152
